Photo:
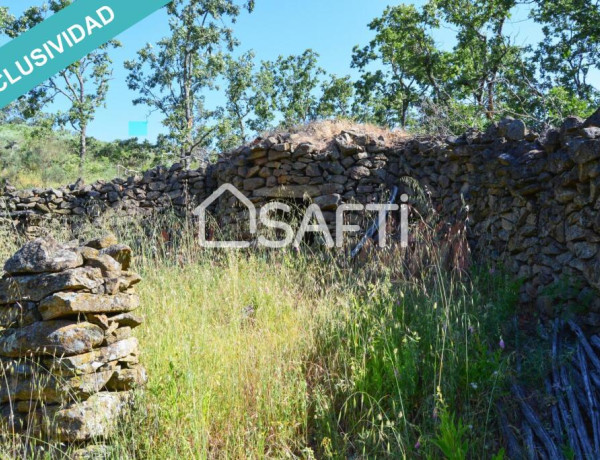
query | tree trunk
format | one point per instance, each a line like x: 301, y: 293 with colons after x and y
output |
x: 82, y: 148
x: 189, y: 115
x: 491, y: 106
x: 405, y: 106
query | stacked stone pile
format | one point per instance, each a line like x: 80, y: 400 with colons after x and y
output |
x: 68, y: 360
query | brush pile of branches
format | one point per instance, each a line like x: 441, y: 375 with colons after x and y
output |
x: 562, y: 419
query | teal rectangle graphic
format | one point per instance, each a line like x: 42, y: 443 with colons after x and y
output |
x: 138, y: 128
x: 64, y: 38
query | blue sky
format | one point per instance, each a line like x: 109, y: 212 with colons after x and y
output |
x: 330, y: 27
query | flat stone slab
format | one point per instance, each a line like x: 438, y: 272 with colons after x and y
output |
x: 72, y: 303
x: 94, y: 360
x: 49, y: 389
x: 34, y: 288
x: 43, y: 255
x: 290, y: 191
x: 54, y: 338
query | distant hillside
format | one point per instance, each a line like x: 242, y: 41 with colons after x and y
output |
x: 36, y: 156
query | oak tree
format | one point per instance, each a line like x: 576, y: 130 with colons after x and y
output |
x: 83, y: 85
x: 174, y: 76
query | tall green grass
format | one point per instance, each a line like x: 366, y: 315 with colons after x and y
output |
x: 304, y: 355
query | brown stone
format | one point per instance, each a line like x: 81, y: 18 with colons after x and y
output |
x: 122, y: 333
x: 122, y: 320
x: 103, y: 242
x: 128, y: 379
x: 121, y: 253
x: 72, y: 303
x: 109, y: 267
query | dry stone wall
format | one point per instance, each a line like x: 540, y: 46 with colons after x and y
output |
x: 68, y: 359
x: 531, y: 201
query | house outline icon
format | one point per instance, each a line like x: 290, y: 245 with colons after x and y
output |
x: 200, y: 212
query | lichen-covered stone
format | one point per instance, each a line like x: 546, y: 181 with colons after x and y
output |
x: 55, y: 338
x: 34, y: 288
x: 90, y: 362
x: 95, y: 418
x: 109, y: 267
x: 116, y: 335
x: 46, y: 388
x: 64, y: 304
x: 121, y: 320
x: 128, y: 379
x: 103, y: 242
x: 121, y: 253
x: 43, y: 255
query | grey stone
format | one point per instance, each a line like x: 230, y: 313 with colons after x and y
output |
x: 513, y: 130
x: 288, y: 191
x: 42, y: 255
x: 593, y: 120
x: 592, y: 132
x: 34, y: 288
x: 328, y: 202
x: 47, y: 388
x: 358, y: 172
x: 54, y: 338
x: 253, y: 184
x: 586, y: 151
x: 19, y: 315
x: 97, y: 417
